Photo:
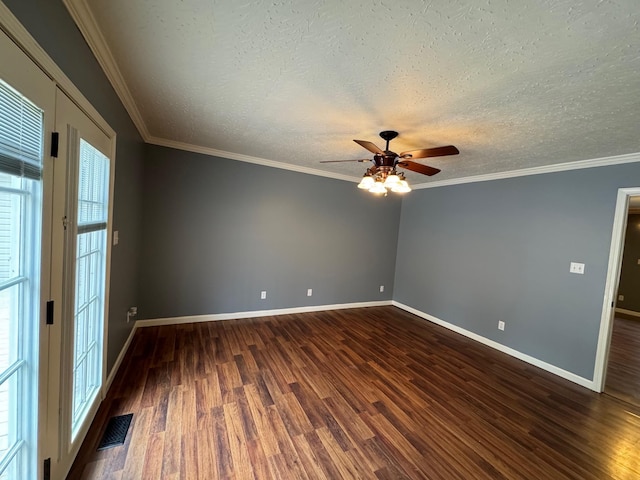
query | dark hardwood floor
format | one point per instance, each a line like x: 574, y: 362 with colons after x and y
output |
x: 623, y: 369
x: 362, y: 393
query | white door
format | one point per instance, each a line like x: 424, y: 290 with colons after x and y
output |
x: 83, y: 180
x: 26, y: 118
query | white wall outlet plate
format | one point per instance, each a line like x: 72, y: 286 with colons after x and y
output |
x: 309, y: 292
x: 381, y: 288
x: 621, y: 298
x: 263, y: 294
x: 576, y: 267
x: 500, y: 325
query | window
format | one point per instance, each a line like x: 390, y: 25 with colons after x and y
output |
x: 91, y: 252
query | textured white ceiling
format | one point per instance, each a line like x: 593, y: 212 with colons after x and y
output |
x: 512, y: 84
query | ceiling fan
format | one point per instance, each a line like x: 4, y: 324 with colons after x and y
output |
x: 383, y: 175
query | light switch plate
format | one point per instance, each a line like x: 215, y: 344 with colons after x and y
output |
x: 576, y: 267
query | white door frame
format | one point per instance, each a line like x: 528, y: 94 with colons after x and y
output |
x: 611, y: 285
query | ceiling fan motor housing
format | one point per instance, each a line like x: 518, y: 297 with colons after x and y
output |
x: 386, y: 161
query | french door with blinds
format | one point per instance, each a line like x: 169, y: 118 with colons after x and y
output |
x: 85, y: 168
x: 27, y: 99
x: 54, y: 266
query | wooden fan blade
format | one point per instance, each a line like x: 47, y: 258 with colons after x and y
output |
x: 372, y: 147
x: 418, y: 167
x: 431, y: 152
x: 339, y: 161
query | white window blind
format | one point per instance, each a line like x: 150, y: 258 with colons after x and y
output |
x: 93, y: 186
x: 21, y: 124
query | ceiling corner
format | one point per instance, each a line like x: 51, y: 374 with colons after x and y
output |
x: 212, y: 152
x: 84, y: 19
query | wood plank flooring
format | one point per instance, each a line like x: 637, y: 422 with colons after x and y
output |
x: 623, y: 370
x: 371, y: 393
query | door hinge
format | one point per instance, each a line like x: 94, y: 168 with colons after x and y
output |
x: 55, y: 138
x: 65, y: 222
x: 46, y: 469
x: 50, y: 312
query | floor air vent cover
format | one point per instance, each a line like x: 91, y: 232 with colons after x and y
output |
x: 116, y: 431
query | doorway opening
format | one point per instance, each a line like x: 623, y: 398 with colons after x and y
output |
x: 622, y: 379
x: 617, y: 369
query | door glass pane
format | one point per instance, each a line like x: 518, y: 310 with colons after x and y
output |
x: 90, y: 269
x: 21, y: 135
x: 18, y: 325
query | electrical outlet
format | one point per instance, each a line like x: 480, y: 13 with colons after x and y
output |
x: 309, y: 292
x: 381, y: 288
x: 500, y: 325
x: 576, y: 267
x: 116, y: 237
x: 132, y: 312
x: 621, y: 298
x: 263, y: 294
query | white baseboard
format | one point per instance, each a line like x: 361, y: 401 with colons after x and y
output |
x: 502, y: 348
x: 256, y: 313
x: 628, y: 312
x: 118, y: 362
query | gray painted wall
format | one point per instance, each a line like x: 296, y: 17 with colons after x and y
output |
x: 477, y: 253
x: 50, y: 24
x: 629, y: 285
x: 218, y: 231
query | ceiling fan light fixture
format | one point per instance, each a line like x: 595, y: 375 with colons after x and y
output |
x: 383, y: 176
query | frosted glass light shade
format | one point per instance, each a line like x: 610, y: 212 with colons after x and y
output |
x: 391, y: 181
x: 401, y: 187
x: 367, y: 182
x: 378, y: 187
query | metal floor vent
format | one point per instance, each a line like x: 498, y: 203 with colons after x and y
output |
x: 116, y: 431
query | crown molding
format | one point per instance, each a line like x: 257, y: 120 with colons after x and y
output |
x: 19, y: 34
x: 86, y: 22
x: 557, y: 167
x: 249, y: 159
x: 553, y: 168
